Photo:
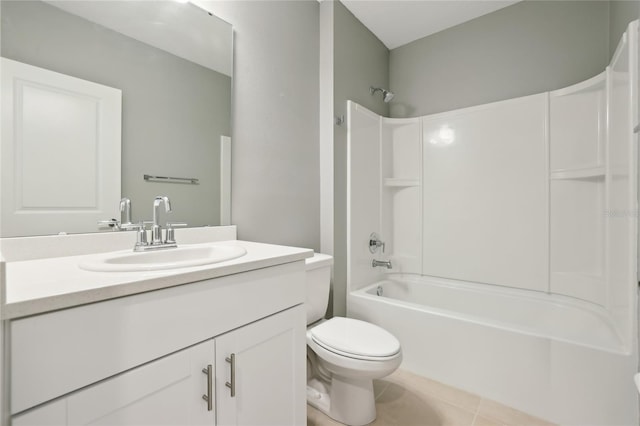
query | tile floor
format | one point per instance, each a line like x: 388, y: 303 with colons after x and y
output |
x: 405, y: 399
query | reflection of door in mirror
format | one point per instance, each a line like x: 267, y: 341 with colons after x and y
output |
x: 60, y: 151
x: 172, y: 62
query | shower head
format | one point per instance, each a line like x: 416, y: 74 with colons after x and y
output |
x: 387, y: 95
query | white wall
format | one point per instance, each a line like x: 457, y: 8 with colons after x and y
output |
x: 275, y: 194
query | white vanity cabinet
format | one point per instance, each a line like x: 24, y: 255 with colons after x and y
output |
x: 167, y: 391
x: 139, y: 360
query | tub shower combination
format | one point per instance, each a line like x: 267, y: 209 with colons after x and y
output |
x: 511, y: 231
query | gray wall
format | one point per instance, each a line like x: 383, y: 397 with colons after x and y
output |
x: 174, y: 111
x: 620, y: 14
x: 275, y: 173
x: 360, y: 61
x: 526, y: 48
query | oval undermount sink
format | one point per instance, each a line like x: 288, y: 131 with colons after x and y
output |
x: 172, y: 258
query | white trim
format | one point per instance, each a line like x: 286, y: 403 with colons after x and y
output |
x: 225, y: 180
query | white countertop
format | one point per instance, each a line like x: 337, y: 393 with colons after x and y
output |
x: 42, y: 285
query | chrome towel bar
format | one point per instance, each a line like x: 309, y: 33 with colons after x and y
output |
x: 170, y: 179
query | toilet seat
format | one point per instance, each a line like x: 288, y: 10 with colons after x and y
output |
x: 355, y: 339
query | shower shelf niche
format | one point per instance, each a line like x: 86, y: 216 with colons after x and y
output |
x: 578, y: 173
x: 400, y: 182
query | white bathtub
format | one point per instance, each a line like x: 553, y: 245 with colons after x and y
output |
x: 551, y: 356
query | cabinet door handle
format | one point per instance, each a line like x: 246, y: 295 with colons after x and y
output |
x: 232, y: 360
x: 209, y: 397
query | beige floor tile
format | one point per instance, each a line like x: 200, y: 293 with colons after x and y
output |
x: 405, y: 399
x: 403, y: 407
x: 316, y: 418
x: 451, y: 395
x: 501, y: 413
x: 397, y: 406
x: 483, y: 421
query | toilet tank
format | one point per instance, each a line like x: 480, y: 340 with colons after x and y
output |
x: 318, y: 282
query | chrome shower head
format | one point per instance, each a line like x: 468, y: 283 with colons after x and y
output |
x: 387, y: 95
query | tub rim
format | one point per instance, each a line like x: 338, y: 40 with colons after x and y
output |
x: 620, y: 346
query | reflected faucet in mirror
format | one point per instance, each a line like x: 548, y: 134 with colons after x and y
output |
x: 125, y: 212
x: 124, y: 224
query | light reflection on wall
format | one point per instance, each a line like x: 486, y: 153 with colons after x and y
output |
x: 445, y: 136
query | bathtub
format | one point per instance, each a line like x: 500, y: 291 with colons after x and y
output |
x: 554, y: 357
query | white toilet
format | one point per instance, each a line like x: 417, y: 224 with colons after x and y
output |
x: 344, y: 355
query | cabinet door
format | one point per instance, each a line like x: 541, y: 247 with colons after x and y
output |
x: 52, y: 414
x: 269, y: 359
x: 164, y: 392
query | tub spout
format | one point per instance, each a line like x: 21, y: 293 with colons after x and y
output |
x: 385, y: 263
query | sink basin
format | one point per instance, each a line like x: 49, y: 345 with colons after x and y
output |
x: 180, y: 257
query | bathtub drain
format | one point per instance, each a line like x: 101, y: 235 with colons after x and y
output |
x: 379, y: 290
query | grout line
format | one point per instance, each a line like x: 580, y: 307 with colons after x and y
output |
x: 475, y: 416
x: 383, y: 391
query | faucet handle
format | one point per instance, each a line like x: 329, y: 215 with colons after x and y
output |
x: 375, y: 243
x: 176, y: 224
x: 171, y: 238
x: 141, y: 237
x: 109, y: 223
x: 141, y: 234
x: 131, y: 226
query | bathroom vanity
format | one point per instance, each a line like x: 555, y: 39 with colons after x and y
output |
x: 222, y: 343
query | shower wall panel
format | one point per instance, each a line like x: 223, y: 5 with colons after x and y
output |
x: 621, y: 212
x: 363, y: 192
x: 577, y: 137
x: 485, y: 194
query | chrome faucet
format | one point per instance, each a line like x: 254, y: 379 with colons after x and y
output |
x: 124, y: 224
x: 156, y: 228
x: 157, y: 242
x: 385, y: 263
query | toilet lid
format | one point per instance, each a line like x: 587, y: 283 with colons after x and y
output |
x: 355, y: 337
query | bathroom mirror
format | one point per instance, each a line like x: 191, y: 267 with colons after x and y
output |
x: 172, y: 63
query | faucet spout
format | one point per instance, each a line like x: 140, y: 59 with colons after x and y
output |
x: 125, y: 211
x: 156, y: 229
x: 156, y: 207
x: 385, y: 263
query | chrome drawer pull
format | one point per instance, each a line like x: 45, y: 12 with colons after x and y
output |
x: 232, y: 360
x: 208, y: 397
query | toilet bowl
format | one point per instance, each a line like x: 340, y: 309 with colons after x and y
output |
x: 345, y: 355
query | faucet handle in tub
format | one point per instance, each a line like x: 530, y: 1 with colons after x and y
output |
x: 375, y: 243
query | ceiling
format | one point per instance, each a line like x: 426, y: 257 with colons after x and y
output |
x: 398, y: 22
x: 180, y: 28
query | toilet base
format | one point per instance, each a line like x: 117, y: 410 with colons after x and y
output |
x: 346, y: 400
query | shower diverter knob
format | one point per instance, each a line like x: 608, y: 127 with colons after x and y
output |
x: 375, y: 243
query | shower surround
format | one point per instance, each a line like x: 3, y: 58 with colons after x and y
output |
x: 512, y: 231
